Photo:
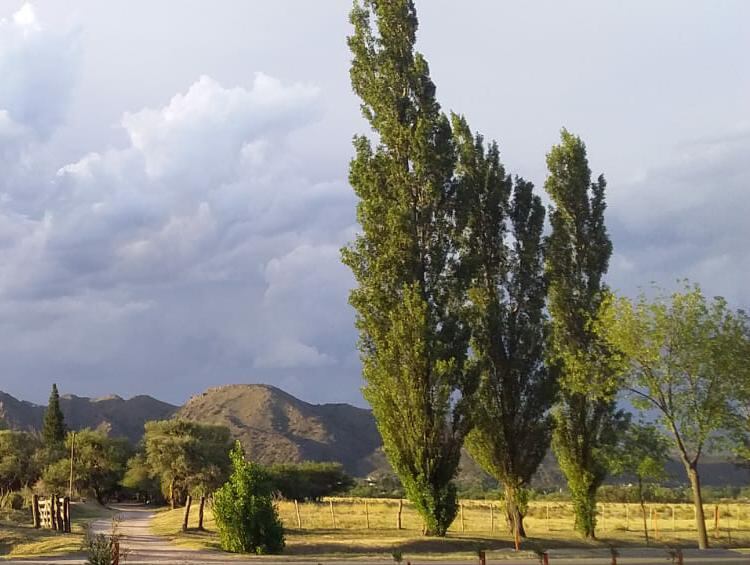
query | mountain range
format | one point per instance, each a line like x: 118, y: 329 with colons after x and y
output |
x: 276, y: 427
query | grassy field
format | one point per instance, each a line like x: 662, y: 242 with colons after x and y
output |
x: 345, y: 531
x: 19, y: 539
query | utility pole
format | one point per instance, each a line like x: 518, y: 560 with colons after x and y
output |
x: 72, y: 453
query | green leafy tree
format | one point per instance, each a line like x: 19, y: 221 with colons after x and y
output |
x: 18, y: 465
x: 186, y: 456
x: 683, y: 356
x: 139, y: 479
x: 53, y: 429
x: 578, y: 249
x: 98, y: 465
x: 503, y: 258
x: 309, y: 480
x: 246, y: 517
x: 408, y: 298
x: 643, y: 453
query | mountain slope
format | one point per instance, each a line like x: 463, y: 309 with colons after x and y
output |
x: 276, y: 427
x: 120, y: 417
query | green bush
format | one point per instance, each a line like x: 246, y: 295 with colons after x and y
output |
x: 246, y: 516
x: 309, y: 481
x: 103, y: 549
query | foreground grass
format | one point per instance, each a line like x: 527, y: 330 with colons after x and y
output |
x: 18, y: 538
x: 332, y: 543
x: 482, y: 528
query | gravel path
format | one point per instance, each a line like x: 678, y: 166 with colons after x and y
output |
x: 142, y: 546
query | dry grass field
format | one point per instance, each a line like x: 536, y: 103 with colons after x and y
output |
x: 368, y: 527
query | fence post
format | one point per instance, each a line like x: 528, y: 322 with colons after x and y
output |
x: 651, y: 515
x: 627, y: 517
x: 35, y: 511
x: 737, y: 517
x: 367, y: 514
x: 716, y: 521
x: 54, y: 513
x: 66, y: 514
x: 548, y: 527
x: 463, y: 524
x: 296, y: 510
x: 398, y: 516
x: 333, y: 516
x: 186, y: 517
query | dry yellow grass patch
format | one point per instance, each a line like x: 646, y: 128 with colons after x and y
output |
x: 344, y: 531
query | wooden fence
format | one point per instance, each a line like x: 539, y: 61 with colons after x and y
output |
x: 488, y: 517
x: 52, y: 513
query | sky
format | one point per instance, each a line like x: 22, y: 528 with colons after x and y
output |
x: 173, y: 176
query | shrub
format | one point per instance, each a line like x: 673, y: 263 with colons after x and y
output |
x: 246, y: 516
x: 103, y: 549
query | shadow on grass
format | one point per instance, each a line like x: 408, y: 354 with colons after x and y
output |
x: 330, y: 541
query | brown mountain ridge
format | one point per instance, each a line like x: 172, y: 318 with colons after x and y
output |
x: 120, y: 417
x: 276, y: 427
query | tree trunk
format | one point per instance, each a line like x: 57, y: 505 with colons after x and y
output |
x: 643, y: 508
x: 584, y: 505
x: 172, y: 496
x: 513, y: 513
x: 700, y: 518
x: 186, y: 517
x: 200, y: 512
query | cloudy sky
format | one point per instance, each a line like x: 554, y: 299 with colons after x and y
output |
x: 173, y: 188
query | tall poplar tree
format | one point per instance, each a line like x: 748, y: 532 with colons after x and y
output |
x: 408, y: 298
x: 53, y: 430
x: 587, y: 422
x: 502, y: 256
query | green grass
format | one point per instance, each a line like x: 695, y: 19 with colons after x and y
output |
x: 18, y: 538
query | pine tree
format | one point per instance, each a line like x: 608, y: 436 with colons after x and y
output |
x: 408, y: 299
x: 587, y: 422
x: 54, y: 429
x: 502, y: 253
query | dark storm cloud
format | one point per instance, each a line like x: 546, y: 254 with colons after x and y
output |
x: 198, y: 253
x: 171, y: 219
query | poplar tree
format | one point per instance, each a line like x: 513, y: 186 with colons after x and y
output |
x: 408, y: 297
x: 587, y: 422
x: 54, y: 429
x: 502, y: 256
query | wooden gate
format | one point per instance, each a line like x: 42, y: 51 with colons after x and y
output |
x: 52, y: 513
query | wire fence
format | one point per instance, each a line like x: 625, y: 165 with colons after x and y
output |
x: 487, y: 517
